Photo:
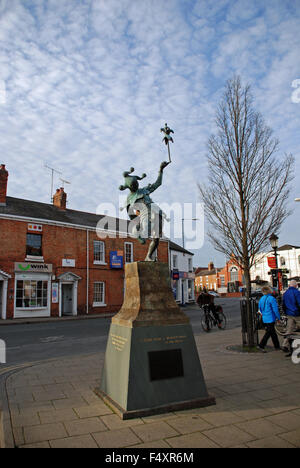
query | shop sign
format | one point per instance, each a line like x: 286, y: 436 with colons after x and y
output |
x: 116, y: 259
x: 175, y: 275
x: 35, y: 227
x: 68, y: 262
x: 33, y: 267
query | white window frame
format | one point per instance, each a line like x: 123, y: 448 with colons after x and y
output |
x: 99, y: 262
x: 97, y: 303
x: 131, y: 252
x: 175, y: 261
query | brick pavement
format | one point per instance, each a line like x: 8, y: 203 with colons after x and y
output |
x: 53, y: 405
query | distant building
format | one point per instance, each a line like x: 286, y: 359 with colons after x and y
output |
x: 182, y: 273
x: 288, y: 259
x: 231, y: 278
x: 207, y: 278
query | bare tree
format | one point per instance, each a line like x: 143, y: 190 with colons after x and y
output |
x: 248, y: 187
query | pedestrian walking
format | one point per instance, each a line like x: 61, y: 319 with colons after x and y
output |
x: 268, y: 308
x: 291, y: 307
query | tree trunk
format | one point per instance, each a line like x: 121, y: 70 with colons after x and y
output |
x: 250, y: 330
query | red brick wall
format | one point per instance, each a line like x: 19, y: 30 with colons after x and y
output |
x: 62, y: 242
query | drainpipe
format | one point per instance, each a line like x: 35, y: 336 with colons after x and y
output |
x: 87, y: 272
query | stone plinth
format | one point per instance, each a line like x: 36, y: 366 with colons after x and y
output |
x: 151, y: 362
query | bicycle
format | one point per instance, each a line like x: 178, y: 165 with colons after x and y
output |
x: 281, y: 325
x: 209, y: 320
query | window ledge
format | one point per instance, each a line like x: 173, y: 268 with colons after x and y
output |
x: 32, y: 258
x: 97, y: 262
x: 98, y: 304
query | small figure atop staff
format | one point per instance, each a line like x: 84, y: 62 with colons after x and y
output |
x: 167, y: 138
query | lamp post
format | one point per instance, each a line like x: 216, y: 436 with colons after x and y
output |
x: 274, y: 244
x: 297, y: 199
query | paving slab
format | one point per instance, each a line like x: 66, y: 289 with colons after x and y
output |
x: 53, y: 404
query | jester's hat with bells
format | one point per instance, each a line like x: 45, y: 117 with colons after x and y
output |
x: 132, y: 197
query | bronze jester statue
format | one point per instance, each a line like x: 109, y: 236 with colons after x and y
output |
x: 148, y: 215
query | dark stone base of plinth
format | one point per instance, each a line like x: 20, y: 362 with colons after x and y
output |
x: 151, y: 363
x: 142, y: 413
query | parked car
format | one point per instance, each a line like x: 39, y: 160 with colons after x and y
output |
x: 257, y: 294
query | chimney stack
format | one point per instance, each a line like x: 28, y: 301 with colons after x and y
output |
x: 3, y: 184
x: 211, y: 266
x: 60, y: 199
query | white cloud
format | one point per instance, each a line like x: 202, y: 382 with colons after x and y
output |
x: 89, y: 84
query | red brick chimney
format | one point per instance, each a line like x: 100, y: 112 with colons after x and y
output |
x: 211, y: 266
x: 3, y: 184
x: 60, y: 199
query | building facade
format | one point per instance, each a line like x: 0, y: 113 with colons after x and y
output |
x: 55, y: 261
x: 207, y: 278
x: 182, y: 273
x: 231, y: 278
x: 228, y: 280
x: 288, y: 259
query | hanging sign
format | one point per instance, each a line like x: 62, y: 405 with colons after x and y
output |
x: 272, y: 262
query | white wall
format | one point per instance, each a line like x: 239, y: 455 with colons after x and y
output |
x: 291, y: 263
x: 183, y: 284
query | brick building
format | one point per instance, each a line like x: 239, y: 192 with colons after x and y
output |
x: 231, y: 278
x: 53, y: 263
x: 207, y: 278
x: 228, y: 280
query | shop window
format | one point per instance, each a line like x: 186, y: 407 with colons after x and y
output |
x: 32, y: 294
x: 99, y: 252
x: 34, y: 245
x: 99, y: 294
x: 128, y: 252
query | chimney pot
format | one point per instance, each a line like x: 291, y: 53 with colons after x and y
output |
x: 60, y: 199
x: 3, y: 184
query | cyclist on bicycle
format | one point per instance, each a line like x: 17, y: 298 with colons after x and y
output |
x: 206, y: 299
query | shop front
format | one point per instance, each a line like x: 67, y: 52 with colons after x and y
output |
x: 32, y: 290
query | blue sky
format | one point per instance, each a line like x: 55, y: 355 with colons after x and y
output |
x: 89, y: 83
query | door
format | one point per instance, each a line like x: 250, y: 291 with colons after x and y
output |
x: 67, y: 299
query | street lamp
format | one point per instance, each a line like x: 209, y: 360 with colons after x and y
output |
x: 297, y: 199
x: 274, y: 244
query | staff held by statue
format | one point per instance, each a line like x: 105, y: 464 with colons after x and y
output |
x: 167, y: 138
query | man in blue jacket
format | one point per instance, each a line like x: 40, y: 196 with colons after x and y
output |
x: 291, y: 307
x: 268, y: 308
